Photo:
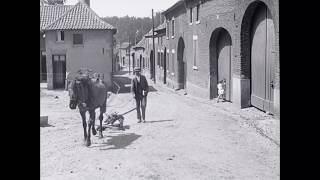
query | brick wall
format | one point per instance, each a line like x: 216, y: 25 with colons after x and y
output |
x: 235, y: 17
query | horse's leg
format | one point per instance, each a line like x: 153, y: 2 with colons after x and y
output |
x: 94, y: 132
x: 103, y: 109
x: 101, y: 118
x: 90, y: 123
x: 84, y: 124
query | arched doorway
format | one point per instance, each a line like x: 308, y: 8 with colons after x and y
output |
x: 259, y: 54
x: 220, y: 62
x: 182, y: 65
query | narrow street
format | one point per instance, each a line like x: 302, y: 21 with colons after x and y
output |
x: 184, y: 138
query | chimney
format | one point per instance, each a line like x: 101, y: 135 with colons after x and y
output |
x: 86, y: 1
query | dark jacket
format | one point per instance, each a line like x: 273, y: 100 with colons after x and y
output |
x: 138, y: 87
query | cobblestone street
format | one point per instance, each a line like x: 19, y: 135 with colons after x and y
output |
x: 184, y: 138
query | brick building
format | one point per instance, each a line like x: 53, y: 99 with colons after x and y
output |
x: 210, y: 40
x: 74, y: 37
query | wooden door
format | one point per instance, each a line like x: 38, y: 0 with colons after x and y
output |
x: 262, y: 60
x: 181, y: 65
x: 224, y: 61
x: 270, y: 74
x: 59, y: 71
x: 44, y: 68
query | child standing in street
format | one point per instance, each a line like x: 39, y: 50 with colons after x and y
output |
x: 221, y: 90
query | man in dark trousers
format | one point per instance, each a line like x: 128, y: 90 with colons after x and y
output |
x: 140, y: 89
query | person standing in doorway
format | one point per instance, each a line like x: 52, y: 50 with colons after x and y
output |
x: 139, y: 90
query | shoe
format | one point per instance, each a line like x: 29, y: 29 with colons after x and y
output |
x: 144, y: 121
x: 139, y: 121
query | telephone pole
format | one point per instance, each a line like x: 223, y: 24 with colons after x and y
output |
x: 154, y: 52
x: 129, y: 55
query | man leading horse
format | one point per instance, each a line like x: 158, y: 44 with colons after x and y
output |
x: 139, y: 90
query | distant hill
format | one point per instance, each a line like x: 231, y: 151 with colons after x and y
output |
x: 129, y: 25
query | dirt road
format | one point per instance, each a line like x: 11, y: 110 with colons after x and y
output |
x: 182, y: 139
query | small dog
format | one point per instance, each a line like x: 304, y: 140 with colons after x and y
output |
x: 113, y: 117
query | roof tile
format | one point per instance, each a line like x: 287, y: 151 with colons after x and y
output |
x: 79, y: 17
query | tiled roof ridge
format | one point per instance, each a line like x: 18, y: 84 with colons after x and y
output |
x: 88, y: 8
x: 51, y: 5
x: 62, y: 14
x: 52, y: 8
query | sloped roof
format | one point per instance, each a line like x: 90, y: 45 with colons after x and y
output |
x: 156, y: 31
x: 140, y: 43
x: 174, y: 6
x: 49, y: 14
x: 79, y: 17
x: 161, y: 26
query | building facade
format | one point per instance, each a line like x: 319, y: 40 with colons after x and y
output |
x: 208, y: 41
x: 75, y: 39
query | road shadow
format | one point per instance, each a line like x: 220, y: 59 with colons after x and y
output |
x: 120, y: 141
x: 159, y: 121
x: 113, y: 127
x: 46, y: 125
x: 125, y: 85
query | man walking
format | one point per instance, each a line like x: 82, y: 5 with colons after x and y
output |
x: 140, y: 89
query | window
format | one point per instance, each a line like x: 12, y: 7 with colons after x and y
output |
x: 60, y: 36
x: 198, y: 9
x: 190, y: 15
x: 77, y: 39
x: 172, y: 28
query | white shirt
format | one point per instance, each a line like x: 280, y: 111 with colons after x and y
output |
x: 138, y: 78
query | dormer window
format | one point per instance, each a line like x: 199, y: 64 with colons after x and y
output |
x: 60, y: 36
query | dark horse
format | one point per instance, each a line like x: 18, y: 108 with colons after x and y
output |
x: 88, y: 94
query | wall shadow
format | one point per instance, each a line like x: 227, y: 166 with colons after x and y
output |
x: 121, y: 72
x: 125, y: 85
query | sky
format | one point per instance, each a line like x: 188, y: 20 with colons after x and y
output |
x: 137, y: 8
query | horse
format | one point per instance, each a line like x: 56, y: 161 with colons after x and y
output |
x: 88, y: 94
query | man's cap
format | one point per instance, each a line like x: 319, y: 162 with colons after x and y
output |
x: 137, y: 69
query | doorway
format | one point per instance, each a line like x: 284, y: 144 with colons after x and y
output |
x: 182, y: 65
x: 59, y: 71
